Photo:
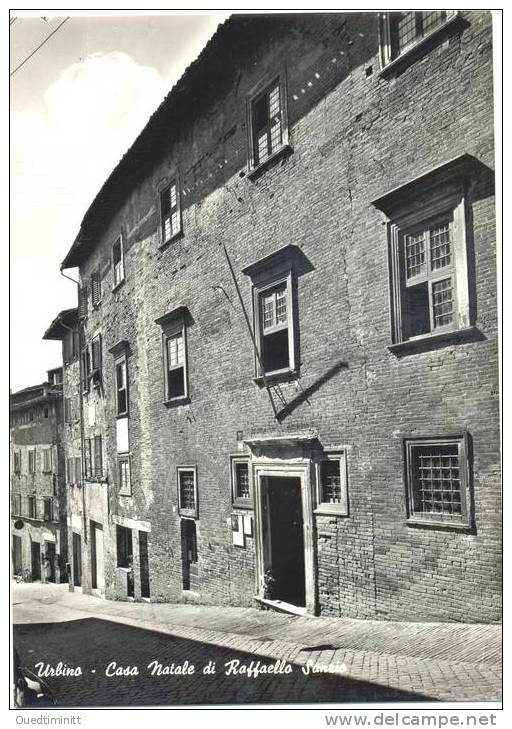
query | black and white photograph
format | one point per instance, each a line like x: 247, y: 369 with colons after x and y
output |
x: 255, y: 330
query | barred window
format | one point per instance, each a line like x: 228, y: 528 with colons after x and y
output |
x: 332, y: 483
x: 187, y: 491
x: 437, y: 480
x: 240, y: 481
x: 170, y: 211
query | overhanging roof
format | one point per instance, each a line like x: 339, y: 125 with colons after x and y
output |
x: 63, y: 322
x: 198, y: 86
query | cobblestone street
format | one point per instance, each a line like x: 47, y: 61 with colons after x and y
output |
x: 368, y: 661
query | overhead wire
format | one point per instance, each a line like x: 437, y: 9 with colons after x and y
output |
x: 38, y: 47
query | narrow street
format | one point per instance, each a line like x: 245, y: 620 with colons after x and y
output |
x: 160, y: 652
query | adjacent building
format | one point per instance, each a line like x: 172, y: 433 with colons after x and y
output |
x: 38, y: 493
x: 284, y: 379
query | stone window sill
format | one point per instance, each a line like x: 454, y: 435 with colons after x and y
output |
x: 407, y: 57
x: 331, y: 510
x: 418, y: 522
x: 282, y: 152
x: 451, y: 336
x: 172, y: 239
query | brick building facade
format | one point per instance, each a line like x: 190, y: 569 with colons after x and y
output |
x: 288, y: 328
x: 38, y: 493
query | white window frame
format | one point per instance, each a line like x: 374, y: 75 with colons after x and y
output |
x: 387, y: 56
x: 259, y: 288
x: 116, y: 282
x: 165, y: 188
x: 192, y: 513
x: 121, y: 361
x: 124, y: 491
x: 263, y: 87
x: 169, y: 332
x: 238, y: 501
x: 452, y: 521
x: 419, y: 217
x: 324, y: 507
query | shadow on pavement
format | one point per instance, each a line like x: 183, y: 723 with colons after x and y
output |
x: 93, y: 644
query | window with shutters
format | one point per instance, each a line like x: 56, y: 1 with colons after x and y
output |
x: 121, y: 380
x: 85, y: 370
x: 124, y: 546
x: 331, y: 480
x: 82, y: 301
x: 96, y: 358
x: 16, y: 504
x: 88, y: 454
x: 170, y: 212
x: 70, y: 471
x: 437, y: 480
x: 402, y: 31
x: 46, y: 465
x: 98, y: 457
x: 267, y: 122
x: 95, y: 288
x: 48, y: 509
x: 67, y: 410
x: 16, y: 465
x: 78, y: 471
x: 118, y: 262
x: 32, y: 461
x: 125, y: 486
x: 241, y: 482
x: 187, y: 491
x: 32, y: 507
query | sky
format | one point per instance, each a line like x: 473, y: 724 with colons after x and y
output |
x: 75, y: 108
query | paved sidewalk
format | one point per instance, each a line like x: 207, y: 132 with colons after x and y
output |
x: 439, y: 661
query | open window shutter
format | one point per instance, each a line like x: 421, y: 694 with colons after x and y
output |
x: 82, y: 300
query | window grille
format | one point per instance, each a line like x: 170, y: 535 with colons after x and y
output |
x: 187, y: 490
x: 436, y: 480
x: 242, y: 490
x: 330, y: 481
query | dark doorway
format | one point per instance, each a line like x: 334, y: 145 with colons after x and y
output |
x: 97, y: 559
x: 36, y: 560
x: 50, y: 563
x: 189, y: 555
x: 17, y: 563
x: 77, y: 560
x: 144, y: 564
x: 282, y: 510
